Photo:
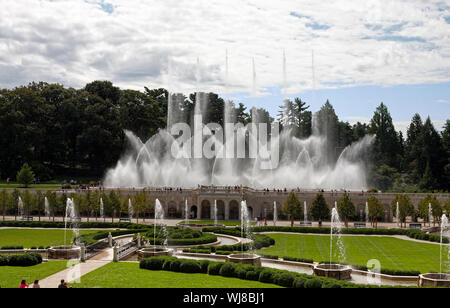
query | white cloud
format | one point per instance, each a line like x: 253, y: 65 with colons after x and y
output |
x: 131, y: 41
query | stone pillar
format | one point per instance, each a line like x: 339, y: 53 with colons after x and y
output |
x: 110, y: 240
x: 139, y: 240
x: 115, y: 254
x: 227, y: 210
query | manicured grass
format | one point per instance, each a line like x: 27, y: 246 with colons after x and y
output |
x: 129, y: 275
x: 10, y: 277
x: 211, y: 222
x: 36, y: 237
x: 393, y: 253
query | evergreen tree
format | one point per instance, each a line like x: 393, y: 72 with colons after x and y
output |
x: 319, y: 208
x: 376, y: 211
x: 405, y: 207
x: 25, y: 176
x: 346, y: 209
x: 292, y: 207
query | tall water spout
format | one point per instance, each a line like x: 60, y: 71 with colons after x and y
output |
x: 186, y: 211
x: 130, y: 209
x: 159, y: 223
x: 46, y: 208
x: 367, y: 213
x: 275, y: 214
x: 215, y: 212
x: 397, y: 214
x: 430, y: 213
x: 336, y: 231
x: 305, y: 213
x: 445, y: 232
x: 71, y: 220
x: 102, y: 209
x: 245, y: 223
x: 20, y: 209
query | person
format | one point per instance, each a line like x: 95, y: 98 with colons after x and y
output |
x: 265, y: 222
x: 7, y: 181
x: 36, y: 285
x: 63, y: 285
x: 66, y: 286
x: 23, y: 285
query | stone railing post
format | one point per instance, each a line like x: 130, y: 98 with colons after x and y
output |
x: 83, y: 253
x: 110, y: 240
x: 115, y: 254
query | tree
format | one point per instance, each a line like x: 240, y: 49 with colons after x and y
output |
x: 346, y: 209
x: 25, y: 176
x: 405, y: 207
x: 39, y: 203
x: 28, y: 201
x: 376, y: 210
x: 292, y: 207
x: 319, y: 208
x: 5, y: 202
x: 327, y: 125
x: 114, y: 204
x: 52, y: 203
x: 424, y: 208
x: 386, y: 145
x: 446, y: 208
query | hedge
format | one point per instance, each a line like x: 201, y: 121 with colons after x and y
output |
x: 247, y: 272
x: 26, y: 259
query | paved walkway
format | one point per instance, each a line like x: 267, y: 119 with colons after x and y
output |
x: 76, y: 270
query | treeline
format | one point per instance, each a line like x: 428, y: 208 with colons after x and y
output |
x: 66, y: 132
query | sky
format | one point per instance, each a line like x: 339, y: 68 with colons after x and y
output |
x: 357, y: 54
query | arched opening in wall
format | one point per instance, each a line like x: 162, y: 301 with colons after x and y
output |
x: 234, y: 210
x: 387, y: 209
x: 220, y: 210
x: 267, y: 211
x: 206, y: 209
x: 193, y: 212
x: 172, y: 210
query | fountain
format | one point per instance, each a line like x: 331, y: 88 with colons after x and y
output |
x: 160, y: 227
x: 215, y: 213
x: 245, y: 258
x: 68, y: 252
x: 275, y: 214
x: 333, y: 270
x: 430, y: 213
x: 302, y: 162
x: 441, y: 279
x: 367, y: 213
x: 20, y: 210
x: 130, y: 210
x: 46, y: 208
x: 102, y: 209
x: 186, y: 211
x: 397, y: 215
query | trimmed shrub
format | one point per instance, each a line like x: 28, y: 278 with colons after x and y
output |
x: 214, y: 268
x: 190, y: 267
x: 167, y: 265
x: 154, y: 264
x: 299, y: 282
x: 313, y: 283
x: 266, y: 276
x: 3, y: 260
x: 204, y: 265
x: 228, y: 270
x: 175, y: 266
x: 284, y: 280
x: 252, y: 275
x: 310, y: 261
x: 331, y: 285
x: 27, y: 259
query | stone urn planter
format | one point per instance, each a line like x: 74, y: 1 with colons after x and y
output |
x: 335, y: 271
x: 244, y: 258
x: 434, y: 280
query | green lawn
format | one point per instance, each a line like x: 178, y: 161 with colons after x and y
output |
x: 35, y: 237
x: 129, y: 275
x: 10, y: 277
x: 393, y: 253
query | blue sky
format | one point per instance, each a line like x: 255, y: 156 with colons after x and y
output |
x: 355, y: 104
x: 365, y: 52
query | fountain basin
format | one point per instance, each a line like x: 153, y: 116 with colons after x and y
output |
x: 152, y: 252
x: 335, y: 271
x: 64, y: 252
x: 244, y: 258
x: 434, y: 280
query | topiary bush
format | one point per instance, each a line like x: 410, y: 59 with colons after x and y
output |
x: 313, y: 283
x: 154, y: 263
x: 266, y: 276
x: 299, y: 282
x: 190, y: 267
x: 214, y: 268
x: 175, y: 265
x: 285, y: 280
x: 26, y: 259
x: 204, y: 265
x: 252, y: 275
x: 228, y: 270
